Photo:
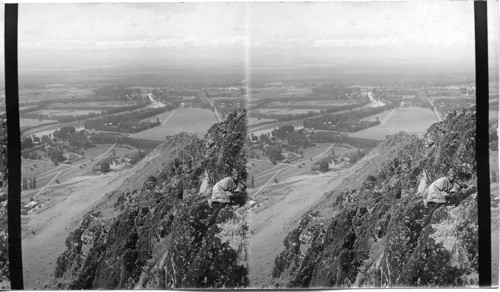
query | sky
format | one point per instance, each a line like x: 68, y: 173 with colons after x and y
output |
x: 182, y: 25
x: 80, y: 34
x: 121, y: 25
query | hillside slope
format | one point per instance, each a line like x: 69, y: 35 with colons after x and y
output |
x: 165, y: 237
x: 376, y: 231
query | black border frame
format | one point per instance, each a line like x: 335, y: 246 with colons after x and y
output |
x: 14, y: 153
x: 14, y: 147
x: 482, y: 147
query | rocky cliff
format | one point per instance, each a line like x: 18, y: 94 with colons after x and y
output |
x: 375, y: 231
x: 165, y: 236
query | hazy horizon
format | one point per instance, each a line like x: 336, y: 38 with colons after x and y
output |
x: 237, y: 39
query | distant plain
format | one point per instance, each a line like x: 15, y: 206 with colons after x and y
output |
x: 189, y: 120
x: 411, y: 119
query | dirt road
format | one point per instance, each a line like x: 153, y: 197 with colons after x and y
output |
x: 44, y: 234
x: 269, y: 227
x: 288, y: 167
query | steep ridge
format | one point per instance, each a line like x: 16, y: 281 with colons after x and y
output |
x: 376, y: 231
x: 165, y: 237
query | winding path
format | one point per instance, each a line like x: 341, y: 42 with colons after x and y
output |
x: 288, y: 167
x: 69, y: 168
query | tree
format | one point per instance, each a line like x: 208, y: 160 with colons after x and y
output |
x: 26, y: 143
x: 105, y: 167
x: 274, y: 153
x: 64, y: 132
x: 46, y: 140
x: 323, y: 166
x: 55, y: 154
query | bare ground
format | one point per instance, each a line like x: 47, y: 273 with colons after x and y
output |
x: 44, y: 233
x: 270, y: 225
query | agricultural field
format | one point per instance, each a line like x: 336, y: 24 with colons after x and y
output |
x: 234, y: 98
x: 49, y: 129
x: 317, y: 153
x: 382, y: 116
x: 283, y: 111
x: 164, y: 117
x: 53, y: 92
x: 412, y: 120
x: 258, y: 130
x: 31, y: 168
x: 95, y: 105
x: 121, y: 150
x: 189, y: 120
x: 45, y: 171
x: 256, y: 121
x: 25, y: 123
x: 58, y: 113
x: 280, y: 91
x: 263, y: 170
x: 25, y: 107
x: 451, y: 97
x: 309, y: 103
x: 259, y: 167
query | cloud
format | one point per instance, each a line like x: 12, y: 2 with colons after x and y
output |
x: 226, y: 25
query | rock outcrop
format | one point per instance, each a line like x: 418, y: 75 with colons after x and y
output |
x: 166, y: 236
x: 378, y: 233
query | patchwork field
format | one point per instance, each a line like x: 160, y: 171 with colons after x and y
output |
x: 24, y: 123
x: 263, y: 170
x: 309, y: 103
x: 97, y: 105
x: 164, y: 117
x: 280, y: 91
x: 234, y: 98
x: 50, y: 128
x: 53, y: 92
x: 21, y: 107
x: 189, y: 120
x: 382, y: 116
x: 412, y: 120
x: 44, y: 170
x: 450, y: 97
x: 57, y: 113
x: 31, y: 168
x: 255, y: 121
x: 283, y: 111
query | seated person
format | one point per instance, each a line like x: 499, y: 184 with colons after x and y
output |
x: 226, y: 188
x: 442, y: 189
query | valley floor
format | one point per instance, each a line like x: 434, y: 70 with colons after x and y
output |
x: 44, y: 232
x: 275, y: 218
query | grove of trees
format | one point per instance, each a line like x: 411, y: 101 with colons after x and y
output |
x: 129, y: 122
x: 346, y: 122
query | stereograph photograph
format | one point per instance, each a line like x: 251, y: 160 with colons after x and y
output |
x: 262, y: 145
